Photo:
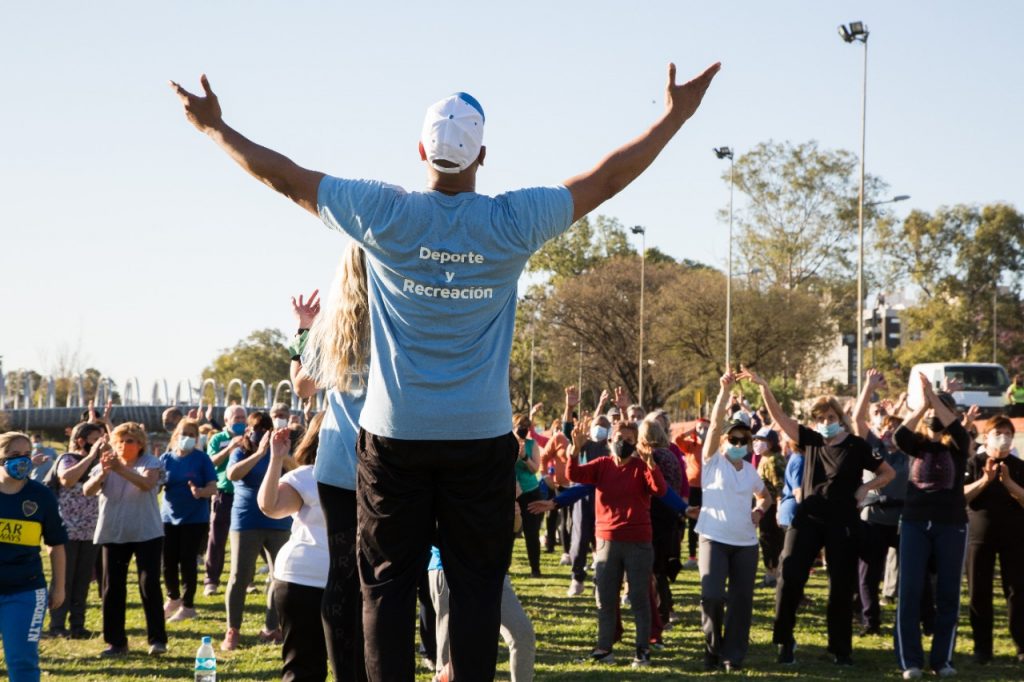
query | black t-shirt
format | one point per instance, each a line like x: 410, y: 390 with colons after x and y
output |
x: 935, y: 491
x: 832, y: 474
x: 994, y: 513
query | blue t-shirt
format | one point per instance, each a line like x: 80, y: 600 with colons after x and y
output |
x: 336, y: 454
x: 179, y: 506
x: 27, y: 518
x: 792, y: 480
x: 443, y: 271
x: 245, y: 510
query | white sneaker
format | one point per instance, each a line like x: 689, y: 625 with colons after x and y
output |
x: 210, y: 590
x: 912, y: 674
x: 566, y: 560
x: 184, y: 613
x: 575, y: 588
x: 171, y: 606
x: 946, y: 671
x: 625, y: 601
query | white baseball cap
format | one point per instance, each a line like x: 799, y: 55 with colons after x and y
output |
x: 453, y: 131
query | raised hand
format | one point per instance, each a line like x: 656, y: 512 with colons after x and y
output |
x: 621, y: 398
x: 973, y: 412
x: 683, y: 100
x: 572, y: 396
x: 92, y: 410
x: 202, y: 112
x: 991, y: 470
x: 306, y: 312
x: 727, y: 381
x: 108, y: 412
x: 535, y: 409
x: 874, y: 379
x: 280, y: 443
x: 747, y: 374
x: 580, y: 434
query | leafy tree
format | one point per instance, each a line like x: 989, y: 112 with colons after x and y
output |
x: 798, y: 225
x: 261, y: 355
x: 580, y: 248
x: 958, y: 258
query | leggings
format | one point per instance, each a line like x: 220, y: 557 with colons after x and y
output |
x: 81, y: 561
x: 181, y: 545
x: 246, y: 546
x: 304, y: 653
x: 341, y: 609
x: 21, y: 624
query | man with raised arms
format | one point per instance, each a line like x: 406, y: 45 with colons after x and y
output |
x: 435, y: 448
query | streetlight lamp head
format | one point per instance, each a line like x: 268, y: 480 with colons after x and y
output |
x: 723, y: 152
x: 901, y: 197
x: 856, y: 30
x: 638, y: 229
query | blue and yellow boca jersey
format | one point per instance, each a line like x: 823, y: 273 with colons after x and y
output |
x: 27, y: 519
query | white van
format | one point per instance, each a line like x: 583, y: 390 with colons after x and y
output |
x: 984, y: 384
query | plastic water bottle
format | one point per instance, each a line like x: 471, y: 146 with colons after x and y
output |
x: 206, y: 662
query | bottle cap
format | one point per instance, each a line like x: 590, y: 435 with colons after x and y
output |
x: 207, y: 640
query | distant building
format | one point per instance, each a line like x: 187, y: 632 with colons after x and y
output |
x: 883, y: 332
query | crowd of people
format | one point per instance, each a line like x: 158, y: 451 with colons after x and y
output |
x: 415, y: 477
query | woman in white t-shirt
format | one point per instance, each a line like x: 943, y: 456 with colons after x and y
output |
x: 300, y: 571
x: 728, y: 535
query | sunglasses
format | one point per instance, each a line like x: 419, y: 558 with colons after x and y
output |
x: 738, y: 440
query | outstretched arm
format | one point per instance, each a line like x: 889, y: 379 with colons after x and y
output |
x: 789, y: 426
x: 623, y: 166
x: 272, y: 169
x: 875, y: 380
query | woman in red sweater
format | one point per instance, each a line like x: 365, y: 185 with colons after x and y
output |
x: 625, y: 482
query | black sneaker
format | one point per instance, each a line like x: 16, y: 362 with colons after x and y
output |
x: 596, y: 657
x: 61, y: 633
x: 869, y: 630
x: 842, y: 660
x: 786, y: 653
x: 80, y: 633
x: 114, y: 652
x: 731, y: 667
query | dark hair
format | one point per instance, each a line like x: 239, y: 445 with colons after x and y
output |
x: 305, y: 451
x: 258, y: 420
x: 83, y: 430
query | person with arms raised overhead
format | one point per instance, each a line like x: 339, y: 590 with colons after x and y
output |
x: 443, y: 268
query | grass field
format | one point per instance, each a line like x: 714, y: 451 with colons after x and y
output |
x: 566, y: 628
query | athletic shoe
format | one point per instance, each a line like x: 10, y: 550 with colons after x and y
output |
x: 61, y: 633
x: 263, y: 570
x: 885, y: 601
x: 535, y: 573
x: 211, y: 590
x: 658, y: 645
x: 575, y: 588
x: 184, y: 613
x: 946, y: 671
x: 787, y: 653
x: 731, y: 667
x: 230, y: 642
x: 912, y: 674
x: 251, y: 588
x: 868, y: 630
x: 171, y: 606
x: 428, y: 664
x: 566, y: 560
x: 625, y: 601
x: 114, y: 651
x: 642, y: 659
x: 770, y: 581
x: 691, y: 562
x: 157, y: 648
x: 602, y: 657
x: 271, y: 636
x: 80, y: 633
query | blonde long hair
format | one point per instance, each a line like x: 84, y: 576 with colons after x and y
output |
x: 339, y: 340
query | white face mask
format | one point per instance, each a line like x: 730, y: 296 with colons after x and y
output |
x: 280, y: 423
x: 760, y: 447
x: 998, y: 443
x: 598, y: 433
x: 186, y: 444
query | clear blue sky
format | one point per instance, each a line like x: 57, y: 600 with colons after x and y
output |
x: 129, y: 236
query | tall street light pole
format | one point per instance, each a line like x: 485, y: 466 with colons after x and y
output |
x: 726, y: 153
x: 637, y: 229
x: 856, y: 31
x: 880, y: 302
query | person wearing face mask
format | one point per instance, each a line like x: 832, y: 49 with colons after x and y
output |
x: 882, y: 508
x: 995, y: 508
x: 280, y: 415
x: 527, y: 466
x: 728, y: 536
x: 771, y: 467
x: 1015, y: 397
x: 127, y: 483
x: 791, y: 482
x: 834, y: 460
x: 80, y: 514
x: 624, y: 487
x: 219, y: 448
x: 933, y: 529
x: 28, y: 517
x: 651, y: 438
x: 691, y: 443
x: 191, y: 482
x: 252, y: 532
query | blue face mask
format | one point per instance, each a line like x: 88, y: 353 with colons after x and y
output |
x: 18, y: 468
x: 830, y: 431
x: 238, y: 429
x: 735, y: 452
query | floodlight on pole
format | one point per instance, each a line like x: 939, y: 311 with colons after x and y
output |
x: 856, y: 31
x: 637, y: 229
x: 726, y: 153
